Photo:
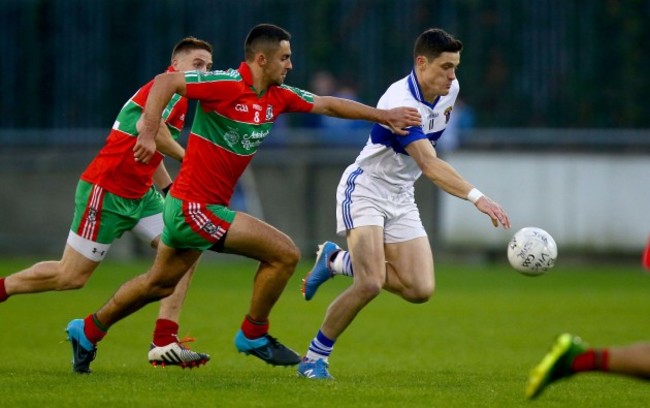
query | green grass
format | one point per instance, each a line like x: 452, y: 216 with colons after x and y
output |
x: 472, y: 345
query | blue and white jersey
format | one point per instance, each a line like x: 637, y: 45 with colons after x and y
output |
x: 383, y: 156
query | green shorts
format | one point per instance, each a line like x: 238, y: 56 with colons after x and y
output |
x: 101, y: 216
x: 194, y: 225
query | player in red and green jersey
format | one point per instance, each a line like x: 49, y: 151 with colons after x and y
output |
x: 235, y: 114
x: 116, y: 194
x: 569, y: 355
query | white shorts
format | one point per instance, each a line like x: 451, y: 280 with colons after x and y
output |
x: 146, y: 229
x: 362, y: 200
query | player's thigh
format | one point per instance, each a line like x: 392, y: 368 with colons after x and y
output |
x: 149, y: 229
x: 171, y: 264
x: 366, y: 246
x: 412, y: 262
x: 74, y: 263
x: 195, y: 225
x: 98, y: 218
x: 150, y: 225
x: 253, y: 238
x: 360, y: 201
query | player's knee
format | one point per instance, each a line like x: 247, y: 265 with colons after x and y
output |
x: 70, y: 279
x: 287, y: 259
x: 420, y: 294
x: 71, y: 283
x: 418, y: 297
x: 162, y: 291
x: 369, y: 289
x: 292, y: 255
x: 158, y: 289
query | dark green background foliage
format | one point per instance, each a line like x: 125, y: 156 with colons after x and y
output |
x: 72, y: 63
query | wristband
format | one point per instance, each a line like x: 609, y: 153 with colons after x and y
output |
x: 474, y: 195
x: 166, y: 190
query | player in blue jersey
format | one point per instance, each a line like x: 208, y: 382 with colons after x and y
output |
x: 376, y: 209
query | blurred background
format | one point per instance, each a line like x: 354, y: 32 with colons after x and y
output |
x: 552, y: 120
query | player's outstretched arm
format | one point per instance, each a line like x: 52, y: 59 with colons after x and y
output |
x: 397, y: 118
x: 164, y: 86
x: 447, y: 178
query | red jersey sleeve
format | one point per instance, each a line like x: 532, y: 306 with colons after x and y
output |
x: 296, y: 100
x: 140, y: 97
x: 210, y: 86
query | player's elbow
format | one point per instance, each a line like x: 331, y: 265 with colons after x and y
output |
x: 170, y: 83
x: 430, y: 171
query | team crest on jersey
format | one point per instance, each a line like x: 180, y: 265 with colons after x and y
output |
x: 209, y: 227
x: 269, y: 112
x: 231, y: 137
x: 448, y: 114
x: 92, y: 215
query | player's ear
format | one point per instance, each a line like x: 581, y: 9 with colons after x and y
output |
x: 261, y: 59
x: 420, y: 61
x: 175, y: 64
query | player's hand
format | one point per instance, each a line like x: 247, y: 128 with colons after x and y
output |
x: 144, y: 149
x: 494, y: 211
x: 399, y: 118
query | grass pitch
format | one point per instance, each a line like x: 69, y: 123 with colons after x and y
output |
x: 472, y: 345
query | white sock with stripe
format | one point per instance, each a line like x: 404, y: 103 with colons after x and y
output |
x: 342, y: 265
x: 320, y: 348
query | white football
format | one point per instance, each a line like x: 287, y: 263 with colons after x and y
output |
x: 532, y: 251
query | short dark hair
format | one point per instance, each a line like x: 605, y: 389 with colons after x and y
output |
x: 433, y: 42
x: 264, y: 37
x: 189, y: 44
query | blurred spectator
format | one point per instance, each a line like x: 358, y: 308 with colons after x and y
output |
x: 335, y: 130
x: 331, y: 123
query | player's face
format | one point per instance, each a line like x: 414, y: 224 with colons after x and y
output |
x: 278, y: 64
x: 191, y: 60
x: 437, y: 75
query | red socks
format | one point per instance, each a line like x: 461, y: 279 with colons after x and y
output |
x: 166, y: 332
x: 591, y: 360
x: 93, y: 329
x: 254, y: 329
x: 3, y: 290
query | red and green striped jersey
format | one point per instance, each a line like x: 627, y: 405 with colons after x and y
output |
x: 230, y: 123
x: 114, y: 168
